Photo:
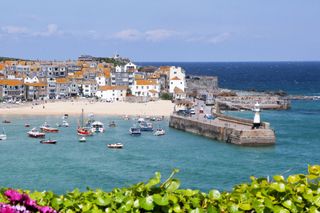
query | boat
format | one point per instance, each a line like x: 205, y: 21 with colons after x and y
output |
x: 65, y: 123
x: 97, y: 126
x: 112, y: 124
x: 140, y: 120
x: 34, y: 133
x: 146, y: 126
x: 82, y: 130
x: 126, y: 118
x: 27, y: 125
x: 47, y: 128
x: 159, y: 132
x: 3, y: 136
x: 6, y: 121
x: 48, y: 141
x: 135, y: 131
x: 82, y: 139
x: 115, y: 146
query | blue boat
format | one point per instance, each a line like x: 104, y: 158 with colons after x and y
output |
x: 146, y: 126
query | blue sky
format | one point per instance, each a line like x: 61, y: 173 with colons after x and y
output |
x: 166, y: 30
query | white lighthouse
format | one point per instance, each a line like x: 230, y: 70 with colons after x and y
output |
x: 256, y: 119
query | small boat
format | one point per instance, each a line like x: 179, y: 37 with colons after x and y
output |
x: 126, y: 118
x: 34, y: 133
x: 48, y: 141
x: 159, y: 132
x: 82, y: 130
x: 112, y: 124
x: 140, y: 120
x: 82, y: 139
x: 65, y: 116
x: 26, y: 125
x: 47, y: 128
x: 65, y: 123
x: 3, y: 136
x: 97, y: 126
x: 135, y: 131
x: 6, y: 121
x: 146, y: 126
x: 115, y: 146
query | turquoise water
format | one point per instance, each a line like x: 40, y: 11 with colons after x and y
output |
x: 203, y: 163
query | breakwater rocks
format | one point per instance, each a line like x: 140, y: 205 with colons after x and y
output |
x: 225, y: 128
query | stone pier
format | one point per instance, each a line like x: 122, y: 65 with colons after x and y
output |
x: 225, y: 128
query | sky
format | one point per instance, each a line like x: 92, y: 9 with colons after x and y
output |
x: 166, y: 30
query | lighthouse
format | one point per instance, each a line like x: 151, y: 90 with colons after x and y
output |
x: 256, y: 119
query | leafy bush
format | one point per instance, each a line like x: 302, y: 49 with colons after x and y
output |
x: 296, y: 193
x: 166, y: 96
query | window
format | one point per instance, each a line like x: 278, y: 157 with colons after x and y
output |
x: 180, y: 82
x: 147, y: 87
x: 141, y: 87
x: 136, y: 87
x: 171, y: 82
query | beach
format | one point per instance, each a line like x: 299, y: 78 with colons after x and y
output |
x: 74, y: 107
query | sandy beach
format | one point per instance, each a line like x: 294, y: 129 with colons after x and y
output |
x: 156, y: 108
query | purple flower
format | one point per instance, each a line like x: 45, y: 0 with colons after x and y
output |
x: 29, y: 203
x: 46, y: 209
x: 13, y: 195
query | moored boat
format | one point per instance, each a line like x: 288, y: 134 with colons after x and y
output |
x: 159, y: 132
x: 48, y: 141
x: 26, y: 125
x: 97, y: 126
x: 6, y: 121
x: 82, y: 139
x: 115, y: 146
x: 146, y: 126
x: 47, y: 128
x: 34, y: 133
x: 135, y: 131
x: 3, y: 136
x: 112, y: 124
x: 82, y: 130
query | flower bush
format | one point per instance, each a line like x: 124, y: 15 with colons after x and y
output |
x: 296, y: 193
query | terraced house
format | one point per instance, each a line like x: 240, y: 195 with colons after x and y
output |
x: 12, y: 89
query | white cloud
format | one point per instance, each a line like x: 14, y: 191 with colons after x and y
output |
x: 128, y: 35
x: 52, y: 30
x: 159, y: 34
x: 219, y: 38
x: 14, y: 30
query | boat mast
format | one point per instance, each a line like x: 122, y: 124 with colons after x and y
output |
x: 82, y: 118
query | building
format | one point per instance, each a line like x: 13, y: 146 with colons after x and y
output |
x: 62, y: 87
x: 120, y: 77
x: 36, y: 91
x: 12, y: 89
x: 112, y: 93
x: 177, y: 79
x: 148, y: 88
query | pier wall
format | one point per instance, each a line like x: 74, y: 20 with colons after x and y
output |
x: 226, y: 133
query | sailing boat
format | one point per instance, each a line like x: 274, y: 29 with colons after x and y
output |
x: 82, y: 130
x: 3, y: 136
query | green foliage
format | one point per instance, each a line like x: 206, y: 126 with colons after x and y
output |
x: 115, y: 62
x: 166, y: 96
x: 296, y: 193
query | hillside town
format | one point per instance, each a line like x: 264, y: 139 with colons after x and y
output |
x: 119, y: 79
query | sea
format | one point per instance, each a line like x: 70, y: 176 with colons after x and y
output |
x: 204, y: 164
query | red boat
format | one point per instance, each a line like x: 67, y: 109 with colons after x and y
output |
x: 84, y: 131
x: 47, y: 128
x: 34, y: 133
x: 48, y: 141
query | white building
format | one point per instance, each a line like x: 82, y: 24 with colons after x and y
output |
x: 31, y: 80
x: 89, y: 88
x: 177, y: 78
x: 147, y: 88
x: 101, y: 80
x: 130, y: 66
x: 112, y: 93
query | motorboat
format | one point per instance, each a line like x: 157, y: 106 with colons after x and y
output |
x: 65, y: 123
x: 34, y: 133
x: 82, y: 139
x: 47, y: 128
x: 126, y: 117
x: 26, y: 125
x: 112, y: 124
x: 159, y: 132
x: 48, y: 141
x: 6, y: 121
x: 146, y: 126
x: 115, y: 146
x: 140, y: 120
x: 135, y: 131
x: 3, y: 136
x: 97, y: 126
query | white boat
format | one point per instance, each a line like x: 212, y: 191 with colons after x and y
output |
x: 82, y: 139
x: 135, y: 131
x: 146, y: 126
x: 159, y: 132
x: 97, y: 126
x: 3, y: 136
x: 34, y: 133
x: 65, y: 123
x: 140, y: 120
x: 115, y: 146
